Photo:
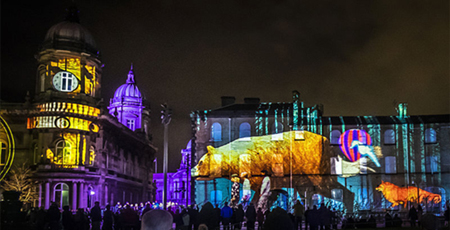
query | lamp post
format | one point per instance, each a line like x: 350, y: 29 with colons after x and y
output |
x: 166, y: 114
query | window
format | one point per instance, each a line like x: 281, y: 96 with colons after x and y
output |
x: 216, y: 197
x: 216, y: 132
x: 64, y: 153
x: 36, y: 155
x: 42, y: 82
x: 277, y: 131
x: 363, y: 199
x: 431, y: 164
x: 245, y: 131
x: 430, y: 136
x: 61, y: 194
x: 91, y: 155
x: 337, y: 194
x: 277, y: 127
x: 335, y: 135
x: 316, y: 199
x: 389, y: 137
x: 131, y: 124
x: 363, y: 165
x: 336, y: 166
x: 4, y: 154
x: 390, y: 165
x: 66, y: 82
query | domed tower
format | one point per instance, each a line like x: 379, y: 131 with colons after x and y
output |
x: 126, y: 105
x: 69, y: 66
x: 67, y: 96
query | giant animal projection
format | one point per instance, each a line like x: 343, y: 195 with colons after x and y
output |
x: 401, y: 195
x: 308, y: 152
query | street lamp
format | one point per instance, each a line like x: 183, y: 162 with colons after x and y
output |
x: 166, y: 114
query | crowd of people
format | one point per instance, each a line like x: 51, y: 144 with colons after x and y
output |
x: 132, y: 217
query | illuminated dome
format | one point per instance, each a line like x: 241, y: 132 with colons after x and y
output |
x: 70, y: 35
x: 126, y: 105
x: 128, y: 93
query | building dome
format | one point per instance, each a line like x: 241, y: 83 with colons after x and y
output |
x: 70, y: 35
x: 126, y: 105
x: 128, y: 93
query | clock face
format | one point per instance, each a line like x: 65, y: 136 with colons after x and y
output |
x: 65, y: 81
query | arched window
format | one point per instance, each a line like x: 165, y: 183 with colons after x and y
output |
x: 64, y: 153
x: 430, y: 136
x: 216, y: 132
x: 91, y: 155
x: 90, y: 196
x: 36, y: 154
x: 277, y: 127
x: 3, y: 153
x: 216, y: 197
x: 61, y: 194
x: 389, y: 137
x: 362, y: 198
x: 244, y: 130
x: 390, y: 164
x: 335, y: 135
x: 337, y: 194
x: 277, y: 131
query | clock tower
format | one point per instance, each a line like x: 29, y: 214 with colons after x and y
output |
x: 65, y: 118
x: 69, y: 65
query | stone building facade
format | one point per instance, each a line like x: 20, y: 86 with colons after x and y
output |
x: 79, y: 152
x: 412, y: 152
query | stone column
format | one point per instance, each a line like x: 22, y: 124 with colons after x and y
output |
x: 106, y: 194
x: 82, y: 195
x: 74, y: 196
x: 40, y: 196
x: 47, y: 195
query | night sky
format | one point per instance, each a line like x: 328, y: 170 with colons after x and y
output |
x: 354, y: 57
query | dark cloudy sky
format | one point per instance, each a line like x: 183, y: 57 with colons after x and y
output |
x: 354, y: 57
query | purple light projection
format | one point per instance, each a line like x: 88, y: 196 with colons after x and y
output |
x: 126, y: 105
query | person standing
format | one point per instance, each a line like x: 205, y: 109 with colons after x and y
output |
x: 298, y: 214
x: 239, y: 217
x: 217, y: 211
x: 53, y: 217
x: 251, y: 216
x: 226, y: 214
x: 413, y: 216
x: 419, y: 214
x: 313, y: 218
x: 96, y: 216
x: 67, y: 218
x: 265, y: 192
x: 108, y: 218
x: 260, y: 218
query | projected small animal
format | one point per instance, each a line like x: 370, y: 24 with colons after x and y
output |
x: 401, y: 195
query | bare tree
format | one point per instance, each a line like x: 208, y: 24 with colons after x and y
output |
x: 19, y: 180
